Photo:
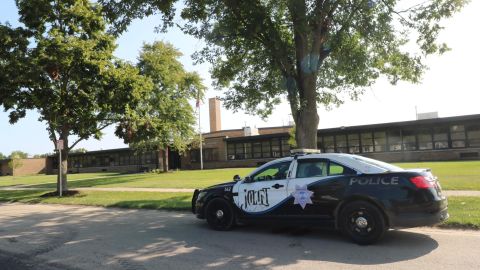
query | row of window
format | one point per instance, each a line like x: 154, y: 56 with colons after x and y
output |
x: 455, y: 136
x: 270, y: 148
x: 209, y: 154
x: 108, y: 160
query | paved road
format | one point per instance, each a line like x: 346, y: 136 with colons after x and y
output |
x: 48, y: 237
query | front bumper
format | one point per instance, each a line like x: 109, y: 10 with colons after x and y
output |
x: 197, y: 204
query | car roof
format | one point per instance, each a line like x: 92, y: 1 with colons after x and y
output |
x: 355, y: 162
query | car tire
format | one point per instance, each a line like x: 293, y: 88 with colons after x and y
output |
x: 219, y: 214
x: 363, y: 222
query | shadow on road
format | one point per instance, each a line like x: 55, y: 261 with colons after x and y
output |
x: 96, y: 238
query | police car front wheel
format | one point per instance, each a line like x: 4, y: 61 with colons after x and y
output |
x: 362, y: 221
x: 219, y: 214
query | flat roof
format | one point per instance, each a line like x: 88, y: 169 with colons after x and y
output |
x: 410, y: 123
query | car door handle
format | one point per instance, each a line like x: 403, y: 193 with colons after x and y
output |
x: 277, y: 186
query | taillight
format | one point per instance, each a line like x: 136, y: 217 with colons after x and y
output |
x: 422, y: 182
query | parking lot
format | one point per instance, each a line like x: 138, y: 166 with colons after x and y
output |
x: 76, y: 237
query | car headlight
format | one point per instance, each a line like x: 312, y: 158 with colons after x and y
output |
x: 201, y: 195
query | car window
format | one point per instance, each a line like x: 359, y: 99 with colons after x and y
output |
x: 311, y: 168
x: 337, y: 169
x: 378, y: 164
x: 275, y: 171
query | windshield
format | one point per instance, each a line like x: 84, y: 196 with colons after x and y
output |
x: 379, y: 164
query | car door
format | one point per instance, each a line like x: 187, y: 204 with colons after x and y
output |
x: 263, y: 191
x: 315, y: 187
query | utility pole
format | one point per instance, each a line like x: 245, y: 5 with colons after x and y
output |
x: 60, y: 169
x: 200, y: 134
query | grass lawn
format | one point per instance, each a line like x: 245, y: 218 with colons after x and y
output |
x: 42, y: 178
x: 175, y: 179
x: 453, y: 175
x: 464, y: 211
x: 144, y: 200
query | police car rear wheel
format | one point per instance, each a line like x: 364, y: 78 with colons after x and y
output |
x: 219, y: 214
x: 363, y: 222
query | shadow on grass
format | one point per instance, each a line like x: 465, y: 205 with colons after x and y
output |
x: 180, y: 202
x: 26, y: 196
x: 93, y: 182
x: 173, y: 203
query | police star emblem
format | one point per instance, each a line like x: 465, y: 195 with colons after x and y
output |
x: 302, y: 196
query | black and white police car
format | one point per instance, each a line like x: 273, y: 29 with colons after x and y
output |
x: 359, y: 196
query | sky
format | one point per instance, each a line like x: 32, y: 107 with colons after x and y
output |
x: 450, y: 87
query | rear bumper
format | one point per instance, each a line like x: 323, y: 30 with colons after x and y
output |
x: 408, y: 220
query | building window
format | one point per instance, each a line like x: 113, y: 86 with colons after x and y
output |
x: 276, y: 153
x: 367, y: 142
x: 209, y: 154
x: 257, y: 150
x: 320, y: 144
x: 239, y: 151
x: 425, y: 139
x: 394, y: 141
x: 353, y: 143
x: 266, y: 149
x: 473, y: 135
x: 440, y: 138
x: 341, y: 143
x: 380, y: 141
x: 230, y: 151
x: 247, y: 147
x: 329, y: 144
x: 285, y: 147
x: 457, y: 134
x: 409, y: 142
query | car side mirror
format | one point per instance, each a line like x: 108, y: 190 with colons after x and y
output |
x: 247, y: 179
x: 236, y: 177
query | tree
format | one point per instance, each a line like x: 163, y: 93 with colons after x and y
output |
x: 2, y: 156
x: 310, y: 51
x: 44, y: 155
x: 18, y: 154
x: 15, y: 161
x: 79, y: 150
x: 60, y: 63
x: 164, y: 118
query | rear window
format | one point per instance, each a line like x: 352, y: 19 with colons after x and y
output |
x: 378, y: 164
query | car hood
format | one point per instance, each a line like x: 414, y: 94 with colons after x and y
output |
x: 223, y: 185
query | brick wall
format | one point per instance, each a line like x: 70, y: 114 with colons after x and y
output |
x: 31, y: 166
x: 28, y: 166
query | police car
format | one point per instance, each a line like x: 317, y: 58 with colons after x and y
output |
x: 359, y: 196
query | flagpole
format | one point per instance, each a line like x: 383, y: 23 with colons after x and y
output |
x: 200, y: 134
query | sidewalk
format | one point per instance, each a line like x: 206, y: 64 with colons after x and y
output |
x: 475, y: 193
x: 186, y: 190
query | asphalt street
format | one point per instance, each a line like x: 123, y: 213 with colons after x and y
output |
x: 51, y: 237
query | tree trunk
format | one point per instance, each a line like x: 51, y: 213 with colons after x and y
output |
x: 64, y: 166
x: 165, y: 159
x: 306, y: 118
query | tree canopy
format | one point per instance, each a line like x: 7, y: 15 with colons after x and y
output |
x: 164, y: 118
x: 311, y: 52
x: 18, y: 154
x: 60, y: 63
